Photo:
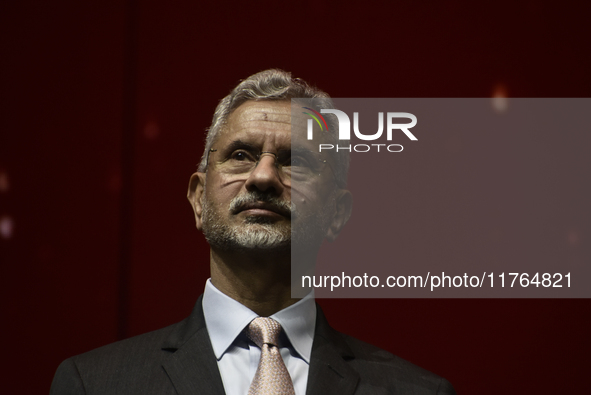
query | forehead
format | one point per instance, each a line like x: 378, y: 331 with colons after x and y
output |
x: 259, y: 122
x: 268, y: 124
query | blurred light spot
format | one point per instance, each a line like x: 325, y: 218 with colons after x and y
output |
x: 573, y: 237
x: 6, y: 227
x: 151, y: 130
x: 4, y: 183
x: 499, y: 98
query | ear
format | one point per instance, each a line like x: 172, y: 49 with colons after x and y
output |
x: 195, y: 196
x: 343, y: 209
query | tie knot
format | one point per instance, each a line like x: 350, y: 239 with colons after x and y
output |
x: 264, y: 330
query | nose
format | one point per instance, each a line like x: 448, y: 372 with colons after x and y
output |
x: 265, y: 176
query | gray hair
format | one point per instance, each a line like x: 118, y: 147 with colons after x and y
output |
x: 272, y: 84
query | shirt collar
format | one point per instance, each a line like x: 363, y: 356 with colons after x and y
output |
x: 225, y: 319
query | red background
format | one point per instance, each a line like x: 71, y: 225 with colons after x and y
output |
x: 103, y: 111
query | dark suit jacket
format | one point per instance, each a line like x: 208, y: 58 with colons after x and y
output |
x: 179, y: 359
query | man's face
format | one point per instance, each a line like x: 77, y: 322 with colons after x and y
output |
x: 256, y: 209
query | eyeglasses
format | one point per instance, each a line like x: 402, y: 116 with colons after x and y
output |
x: 295, y: 164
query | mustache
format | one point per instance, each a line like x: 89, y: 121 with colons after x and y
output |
x: 242, y: 202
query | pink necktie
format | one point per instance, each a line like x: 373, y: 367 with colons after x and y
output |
x: 271, y: 376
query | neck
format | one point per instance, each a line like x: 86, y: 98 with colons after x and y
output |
x: 260, y: 280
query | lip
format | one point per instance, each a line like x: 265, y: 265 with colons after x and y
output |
x: 263, y: 209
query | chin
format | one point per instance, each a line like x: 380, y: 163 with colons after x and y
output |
x: 251, y: 237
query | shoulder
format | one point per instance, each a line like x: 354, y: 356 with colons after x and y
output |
x: 135, y: 365
x: 121, y: 364
x: 374, y: 370
x: 147, y: 345
x: 380, y: 368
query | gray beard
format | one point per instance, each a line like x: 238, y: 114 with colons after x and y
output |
x: 259, y: 233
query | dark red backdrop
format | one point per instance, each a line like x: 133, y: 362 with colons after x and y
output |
x: 103, y: 112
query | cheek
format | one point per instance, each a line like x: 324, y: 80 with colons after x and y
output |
x: 309, y: 197
x: 300, y: 195
x: 220, y: 193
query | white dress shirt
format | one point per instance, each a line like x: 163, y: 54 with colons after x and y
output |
x: 238, y: 357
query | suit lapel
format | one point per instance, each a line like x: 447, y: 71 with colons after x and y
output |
x: 191, y: 365
x: 329, y: 372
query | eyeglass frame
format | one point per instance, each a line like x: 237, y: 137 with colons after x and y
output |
x: 275, y: 155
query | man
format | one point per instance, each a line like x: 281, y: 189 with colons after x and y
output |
x: 264, y: 203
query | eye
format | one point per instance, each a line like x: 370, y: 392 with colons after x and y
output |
x: 241, y: 156
x: 299, y: 161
